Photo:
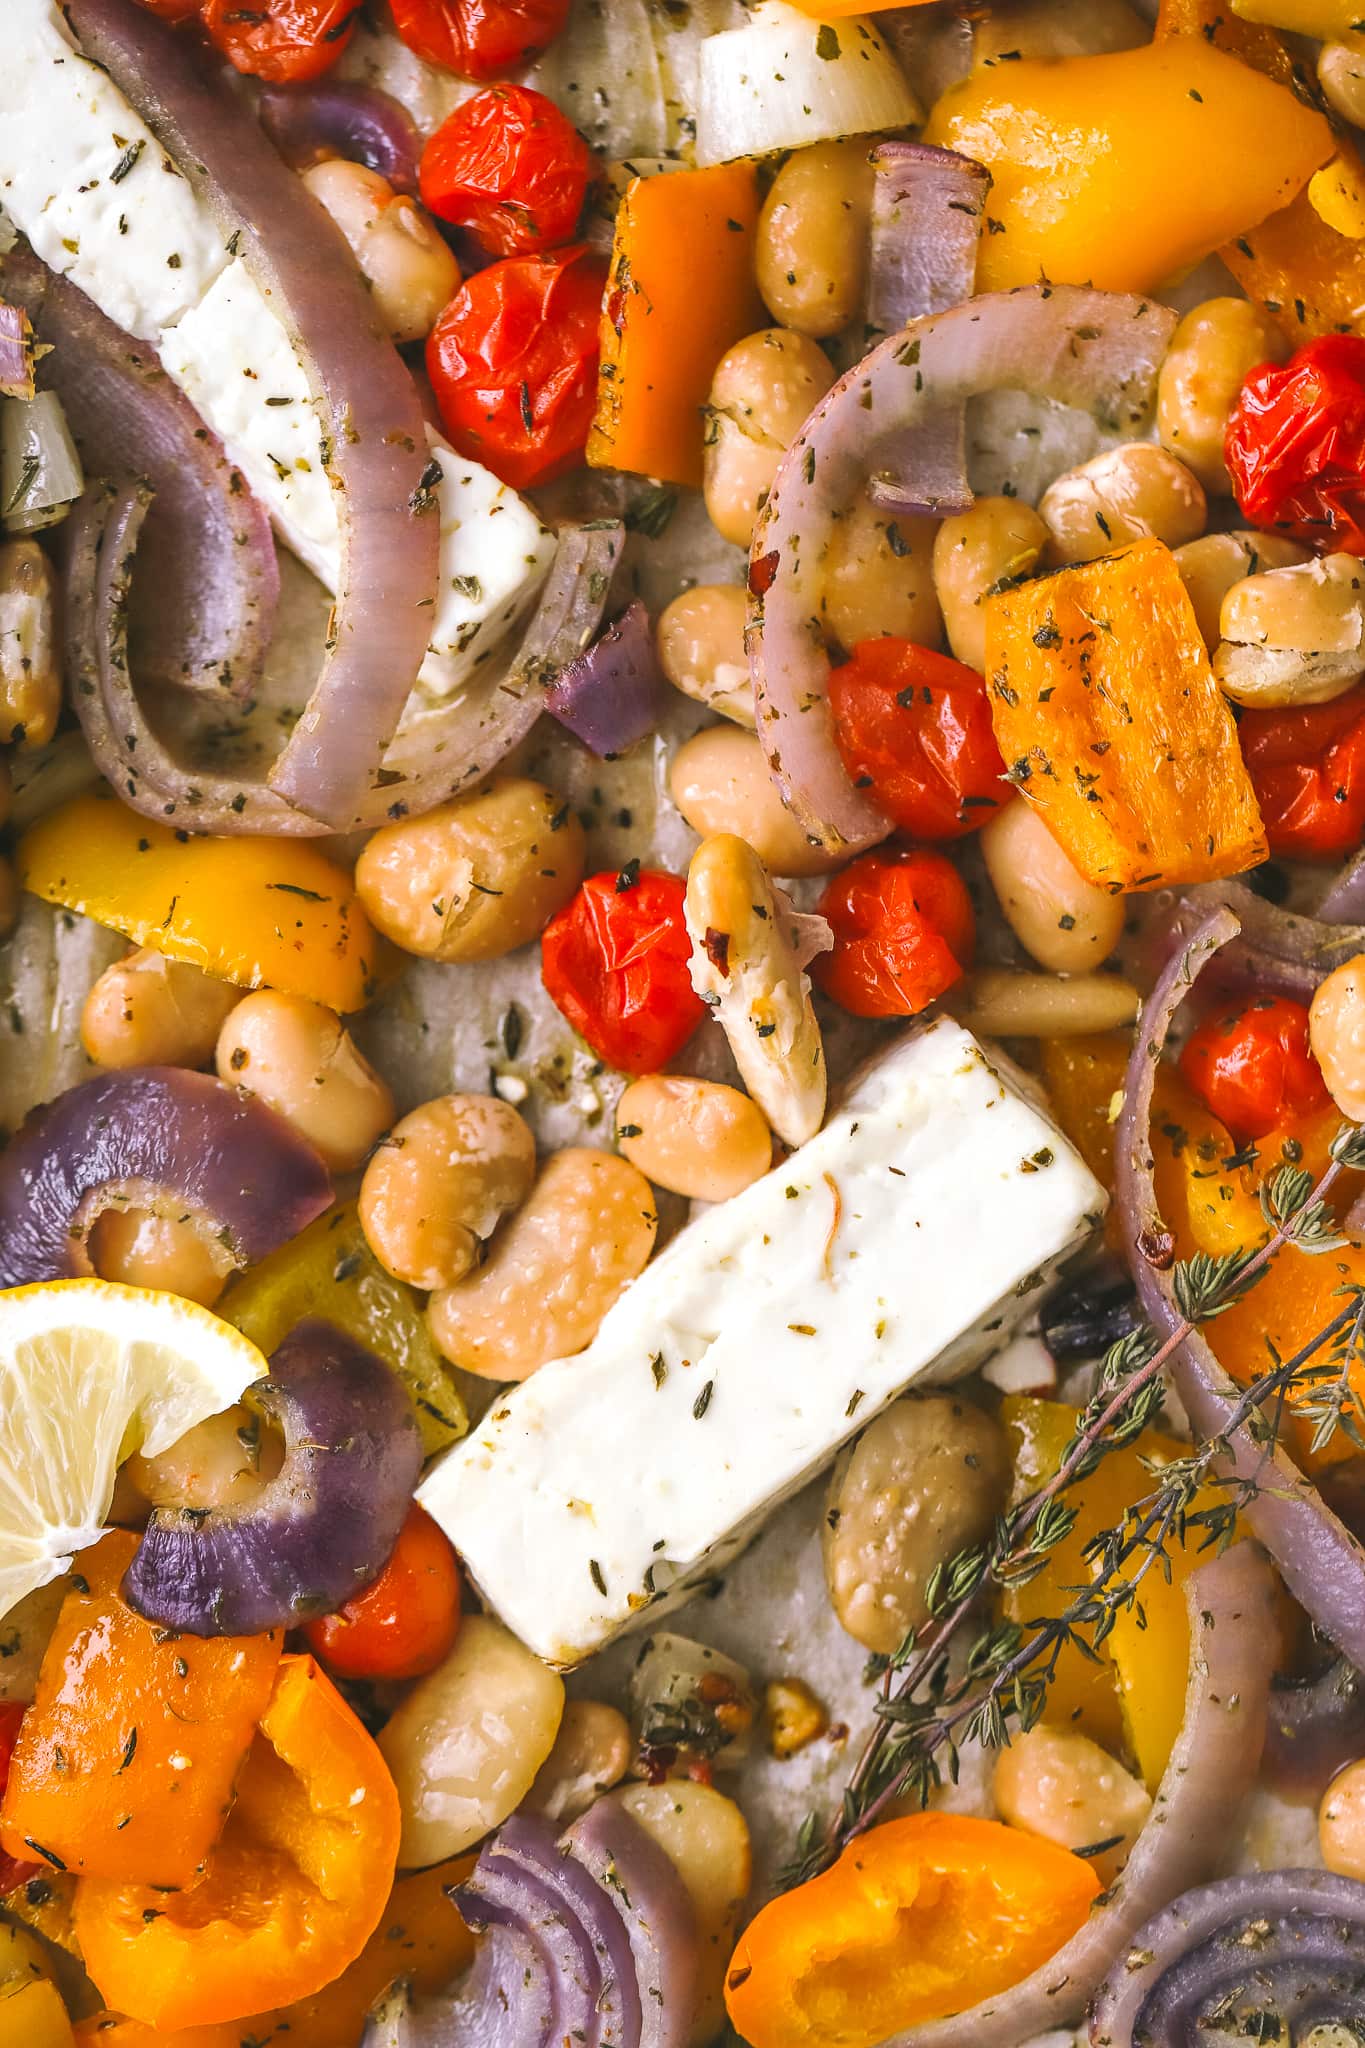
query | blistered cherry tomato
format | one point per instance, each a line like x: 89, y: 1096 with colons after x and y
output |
x: 479, y: 38
x: 285, y: 42
x: 914, y: 728
x: 903, y: 932
x: 1296, y: 445
x: 513, y: 363
x: 510, y: 168
x: 615, y: 963
x: 405, y: 1623
x: 1254, y: 1067
x: 1308, y: 770
x: 12, y: 1870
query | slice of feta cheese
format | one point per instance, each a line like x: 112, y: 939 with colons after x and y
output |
x: 87, y: 181
x: 495, y: 554
x: 233, y: 359
x: 906, y: 1240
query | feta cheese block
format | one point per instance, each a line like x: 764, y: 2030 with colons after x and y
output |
x: 904, y: 1242
x: 86, y: 180
x: 83, y: 176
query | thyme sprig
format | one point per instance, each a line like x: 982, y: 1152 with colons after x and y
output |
x: 932, y: 1697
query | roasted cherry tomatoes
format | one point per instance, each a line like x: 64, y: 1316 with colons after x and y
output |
x: 914, y: 728
x: 510, y: 168
x: 1307, y: 768
x: 615, y: 963
x: 479, y: 38
x: 286, y: 42
x: 513, y: 363
x: 403, y: 1624
x: 903, y: 932
x: 1296, y: 445
x: 1254, y: 1067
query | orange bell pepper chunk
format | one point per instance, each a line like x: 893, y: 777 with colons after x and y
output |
x: 421, y: 1937
x: 680, y: 292
x: 125, y: 1763
x: 293, y: 1891
x: 1103, y: 166
x: 1329, y: 20
x: 918, y: 1919
x: 272, y: 912
x: 1104, y: 703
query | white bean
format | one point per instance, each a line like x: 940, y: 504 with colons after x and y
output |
x: 465, y: 1745
x: 1065, y: 922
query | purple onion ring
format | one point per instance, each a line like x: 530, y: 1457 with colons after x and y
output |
x: 338, y: 117
x: 321, y: 1530
x: 246, y: 1179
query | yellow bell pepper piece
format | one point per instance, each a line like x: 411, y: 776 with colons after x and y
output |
x: 1330, y: 20
x: 1137, y: 1691
x: 271, y: 913
x: 330, y: 1271
x: 1125, y: 169
x: 33, y: 2016
x: 1337, y: 196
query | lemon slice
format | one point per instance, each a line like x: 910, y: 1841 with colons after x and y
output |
x: 89, y: 1373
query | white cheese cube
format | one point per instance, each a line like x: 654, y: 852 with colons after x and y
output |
x: 495, y: 554
x: 906, y: 1240
x: 85, y: 179
x: 235, y: 362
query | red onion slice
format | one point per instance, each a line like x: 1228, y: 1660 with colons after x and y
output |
x: 1319, y: 1560
x: 1276, y: 951
x: 927, y: 207
x: 101, y: 547
x: 371, y: 413
x: 1212, y: 1767
x: 1313, y: 1730
x: 16, y: 351
x: 609, y: 697
x: 321, y: 1530
x: 441, y: 753
x: 206, y: 605
x: 1083, y: 348
x: 661, y: 1926
x: 1272, y: 1955
x: 529, y: 1841
x: 1344, y: 901
x: 527, y: 1889
x: 337, y: 117
x: 238, y: 1170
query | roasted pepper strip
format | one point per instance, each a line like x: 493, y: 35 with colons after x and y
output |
x: 421, y: 1937
x: 917, y: 1919
x: 271, y: 912
x: 294, y: 1889
x: 1124, y: 169
x: 1106, y: 709
x: 125, y: 1763
x: 666, y: 324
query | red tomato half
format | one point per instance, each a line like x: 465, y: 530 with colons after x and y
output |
x: 405, y: 1623
x: 915, y: 728
x: 903, y: 932
x: 1308, y: 770
x: 615, y: 963
x: 511, y: 168
x: 513, y: 363
x: 286, y: 42
x: 1296, y: 444
x: 479, y: 38
x: 1254, y: 1067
